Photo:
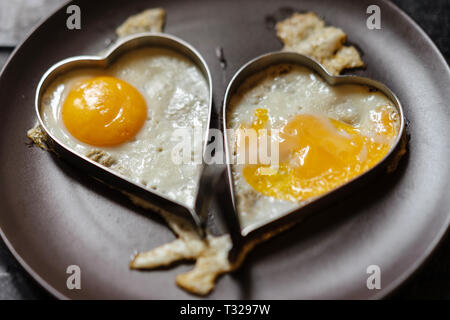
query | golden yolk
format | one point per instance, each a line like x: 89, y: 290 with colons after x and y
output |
x: 318, y: 154
x: 261, y: 119
x: 104, y: 111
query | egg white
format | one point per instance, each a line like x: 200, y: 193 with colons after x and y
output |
x: 286, y: 91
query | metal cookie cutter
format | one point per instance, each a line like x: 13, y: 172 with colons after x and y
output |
x: 114, y: 179
x: 227, y: 198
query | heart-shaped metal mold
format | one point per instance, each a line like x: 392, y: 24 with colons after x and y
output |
x: 261, y: 63
x: 103, y: 173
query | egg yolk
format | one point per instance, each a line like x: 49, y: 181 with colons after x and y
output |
x: 318, y: 154
x: 104, y: 111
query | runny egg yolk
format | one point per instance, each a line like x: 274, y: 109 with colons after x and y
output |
x: 318, y: 154
x: 104, y: 111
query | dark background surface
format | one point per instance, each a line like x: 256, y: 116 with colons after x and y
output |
x: 431, y: 281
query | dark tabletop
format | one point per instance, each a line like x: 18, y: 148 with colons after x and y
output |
x: 431, y: 281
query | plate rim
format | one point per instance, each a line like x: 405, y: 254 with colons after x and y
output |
x: 433, y: 245
x: 38, y: 279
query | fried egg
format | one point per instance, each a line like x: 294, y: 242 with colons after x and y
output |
x: 123, y: 117
x: 328, y: 135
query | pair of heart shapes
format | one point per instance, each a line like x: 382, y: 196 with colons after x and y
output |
x: 158, y: 199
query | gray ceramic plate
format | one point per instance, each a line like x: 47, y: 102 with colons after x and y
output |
x: 52, y: 216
